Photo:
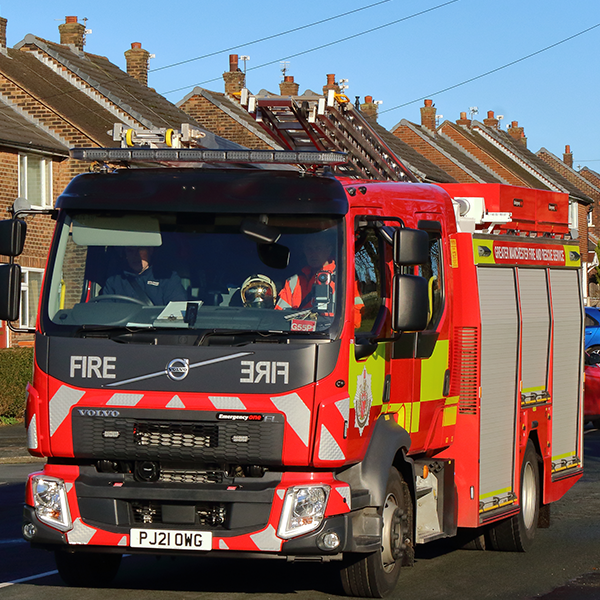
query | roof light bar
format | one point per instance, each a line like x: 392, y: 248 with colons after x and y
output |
x: 199, y: 155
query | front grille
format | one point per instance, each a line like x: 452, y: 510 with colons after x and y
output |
x: 139, y: 434
x: 176, y: 435
x: 190, y: 476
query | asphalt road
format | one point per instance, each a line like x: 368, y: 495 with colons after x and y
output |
x: 564, y: 564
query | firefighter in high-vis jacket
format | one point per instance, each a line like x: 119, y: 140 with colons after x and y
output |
x: 297, y: 291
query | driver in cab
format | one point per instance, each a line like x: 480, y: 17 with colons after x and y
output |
x: 298, y: 289
x: 137, y: 280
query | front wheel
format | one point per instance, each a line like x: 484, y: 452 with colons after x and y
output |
x: 516, y: 534
x: 375, y: 575
x: 87, y: 569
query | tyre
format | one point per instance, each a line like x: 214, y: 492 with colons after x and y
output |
x: 516, y: 533
x: 87, y: 569
x: 375, y: 575
x: 593, y: 350
x: 471, y: 539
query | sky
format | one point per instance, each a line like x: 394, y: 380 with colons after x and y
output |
x: 399, y: 52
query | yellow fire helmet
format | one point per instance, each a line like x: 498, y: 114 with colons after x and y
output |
x: 259, y: 291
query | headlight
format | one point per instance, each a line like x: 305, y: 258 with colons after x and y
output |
x: 50, y: 501
x: 303, y: 510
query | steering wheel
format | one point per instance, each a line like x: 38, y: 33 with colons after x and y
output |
x: 119, y: 297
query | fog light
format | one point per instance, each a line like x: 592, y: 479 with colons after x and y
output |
x: 50, y: 502
x: 29, y: 531
x: 303, y: 510
x: 329, y: 541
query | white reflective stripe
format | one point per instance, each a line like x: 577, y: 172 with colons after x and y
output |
x: 123, y: 541
x: 344, y: 492
x: 61, y: 404
x: 267, y: 539
x: 175, y: 402
x: 81, y: 533
x: 293, y: 281
x: 227, y: 403
x: 329, y: 449
x: 124, y: 399
x: 344, y: 407
x: 297, y: 414
x: 358, y: 300
x: 32, y: 440
x: 223, y: 545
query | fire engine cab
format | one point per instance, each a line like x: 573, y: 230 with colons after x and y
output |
x: 420, y: 378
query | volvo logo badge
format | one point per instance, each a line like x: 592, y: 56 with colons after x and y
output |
x: 178, y: 369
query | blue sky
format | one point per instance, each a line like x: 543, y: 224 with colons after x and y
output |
x: 553, y: 95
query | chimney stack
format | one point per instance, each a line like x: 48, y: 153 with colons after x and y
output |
x: 287, y: 87
x: 331, y: 85
x: 137, y: 62
x: 72, y: 32
x: 517, y: 133
x: 463, y: 120
x: 369, y: 108
x: 428, y: 115
x: 235, y: 79
x: 3, y: 23
x: 491, y: 121
x: 568, y: 157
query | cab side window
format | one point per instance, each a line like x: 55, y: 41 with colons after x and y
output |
x: 433, y: 273
x: 369, y: 280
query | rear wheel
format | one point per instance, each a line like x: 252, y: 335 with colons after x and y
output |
x: 593, y: 350
x: 516, y: 534
x: 375, y: 575
x: 87, y: 569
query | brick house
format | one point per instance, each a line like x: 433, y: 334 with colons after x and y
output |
x: 469, y: 149
x: 64, y: 97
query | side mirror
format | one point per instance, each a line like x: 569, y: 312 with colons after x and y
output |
x: 12, y: 236
x: 10, y: 292
x: 411, y: 246
x: 410, y: 303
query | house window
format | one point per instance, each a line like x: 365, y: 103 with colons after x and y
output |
x: 35, y: 179
x: 31, y: 284
x: 590, y: 219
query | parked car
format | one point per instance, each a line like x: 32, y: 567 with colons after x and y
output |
x: 591, y: 392
x: 592, y: 329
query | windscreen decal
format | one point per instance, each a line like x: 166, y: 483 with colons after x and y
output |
x: 61, y: 404
x: 165, y: 371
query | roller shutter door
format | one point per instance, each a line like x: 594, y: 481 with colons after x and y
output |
x: 566, y: 373
x: 499, y: 354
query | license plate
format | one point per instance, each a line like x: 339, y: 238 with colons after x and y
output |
x: 170, y: 539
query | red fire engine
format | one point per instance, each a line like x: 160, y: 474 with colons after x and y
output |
x: 426, y: 383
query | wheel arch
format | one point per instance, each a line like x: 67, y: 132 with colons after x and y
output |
x: 387, y: 448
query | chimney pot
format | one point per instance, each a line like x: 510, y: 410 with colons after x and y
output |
x: 463, y: 115
x: 568, y: 157
x: 331, y: 84
x: 514, y: 124
x: 137, y: 62
x: 491, y: 121
x: 517, y: 133
x: 369, y: 108
x: 72, y: 32
x: 428, y: 115
x: 3, y: 23
x: 463, y: 120
x: 287, y: 87
x: 490, y: 114
x: 235, y: 80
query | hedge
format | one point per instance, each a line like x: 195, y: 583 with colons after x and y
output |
x: 16, y: 368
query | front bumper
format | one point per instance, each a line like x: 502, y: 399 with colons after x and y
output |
x: 103, y: 511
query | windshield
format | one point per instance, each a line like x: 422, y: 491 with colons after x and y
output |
x: 209, y: 272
